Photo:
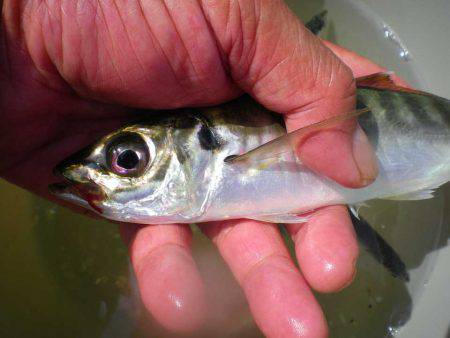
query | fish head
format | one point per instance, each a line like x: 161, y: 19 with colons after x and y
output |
x: 130, y: 175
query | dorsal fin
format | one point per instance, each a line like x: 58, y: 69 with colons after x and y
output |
x: 384, y: 81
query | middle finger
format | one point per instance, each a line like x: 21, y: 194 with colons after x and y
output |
x: 280, y: 300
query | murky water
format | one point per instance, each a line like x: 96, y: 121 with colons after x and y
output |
x: 64, y: 275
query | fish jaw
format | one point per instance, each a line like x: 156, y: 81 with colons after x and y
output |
x: 65, y: 191
x: 87, y: 196
x: 78, y: 188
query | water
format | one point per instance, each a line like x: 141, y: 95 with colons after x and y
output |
x: 67, y: 275
x: 377, y: 303
x: 61, y: 272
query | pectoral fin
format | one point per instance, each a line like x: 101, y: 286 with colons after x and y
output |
x: 290, y: 141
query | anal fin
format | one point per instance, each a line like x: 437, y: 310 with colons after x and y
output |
x: 354, y: 208
x: 281, y: 218
x: 413, y: 196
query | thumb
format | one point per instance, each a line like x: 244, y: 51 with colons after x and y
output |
x: 273, y: 57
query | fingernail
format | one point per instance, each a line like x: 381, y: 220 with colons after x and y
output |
x: 364, y: 156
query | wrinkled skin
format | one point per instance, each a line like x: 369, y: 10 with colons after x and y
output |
x: 70, y: 67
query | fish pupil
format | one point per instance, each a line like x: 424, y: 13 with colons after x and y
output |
x: 128, y: 159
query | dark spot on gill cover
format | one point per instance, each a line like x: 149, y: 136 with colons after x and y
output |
x: 206, y: 135
x: 207, y: 138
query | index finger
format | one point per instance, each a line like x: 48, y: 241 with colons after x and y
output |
x: 169, y: 281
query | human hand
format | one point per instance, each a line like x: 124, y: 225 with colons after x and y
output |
x: 69, y: 69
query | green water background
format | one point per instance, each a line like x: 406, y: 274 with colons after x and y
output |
x: 66, y: 275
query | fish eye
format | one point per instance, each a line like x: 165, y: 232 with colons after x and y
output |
x: 128, y: 155
x: 128, y: 159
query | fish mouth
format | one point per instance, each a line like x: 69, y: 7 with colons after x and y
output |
x: 77, y: 186
x: 84, y: 193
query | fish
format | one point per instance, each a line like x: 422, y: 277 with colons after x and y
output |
x: 236, y: 160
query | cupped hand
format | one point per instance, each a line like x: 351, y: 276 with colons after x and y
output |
x: 70, y: 68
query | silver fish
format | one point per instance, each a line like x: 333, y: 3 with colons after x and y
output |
x: 176, y: 167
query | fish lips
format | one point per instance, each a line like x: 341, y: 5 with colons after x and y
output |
x: 78, y: 190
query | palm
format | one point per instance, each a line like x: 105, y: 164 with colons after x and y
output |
x: 73, y: 67
x: 35, y: 141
